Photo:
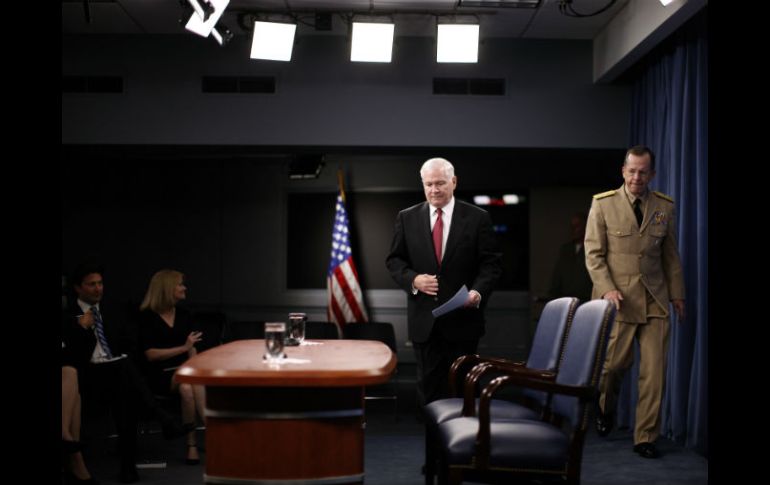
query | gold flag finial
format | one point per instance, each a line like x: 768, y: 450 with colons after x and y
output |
x: 341, y: 183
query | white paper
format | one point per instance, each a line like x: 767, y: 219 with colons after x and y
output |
x: 453, y: 303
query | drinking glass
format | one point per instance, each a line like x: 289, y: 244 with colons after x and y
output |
x: 274, y: 335
x: 296, y: 333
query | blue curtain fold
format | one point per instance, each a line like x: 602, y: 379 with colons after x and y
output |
x: 670, y: 115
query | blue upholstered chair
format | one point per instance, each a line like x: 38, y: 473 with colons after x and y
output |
x: 544, y: 355
x: 482, y: 449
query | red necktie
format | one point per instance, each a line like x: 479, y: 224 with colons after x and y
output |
x: 438, y: 235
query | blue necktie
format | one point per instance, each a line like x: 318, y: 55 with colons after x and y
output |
x: 99, y: 326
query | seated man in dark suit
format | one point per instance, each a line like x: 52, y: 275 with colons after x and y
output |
x: 102, y: 347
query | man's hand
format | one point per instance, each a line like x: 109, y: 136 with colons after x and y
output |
x: 474, y: 298
x: 427, y: 283
x: 86, y: 320
x: 679, y: 308
x: 615, y: 297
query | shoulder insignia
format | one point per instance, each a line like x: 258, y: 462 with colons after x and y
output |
x: 604, y: 194
x: 662, y: 196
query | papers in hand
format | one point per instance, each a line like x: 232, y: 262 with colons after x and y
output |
x: 453, y: 303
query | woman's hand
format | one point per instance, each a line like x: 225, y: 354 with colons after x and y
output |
x: 193, y: 338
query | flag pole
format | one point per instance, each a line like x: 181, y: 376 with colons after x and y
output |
x: 341, y: 183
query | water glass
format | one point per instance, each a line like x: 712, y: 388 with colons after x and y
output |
x: 296, y: 333
x: 275, y: 333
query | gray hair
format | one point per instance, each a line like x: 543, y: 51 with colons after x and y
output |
x: 441, y: 163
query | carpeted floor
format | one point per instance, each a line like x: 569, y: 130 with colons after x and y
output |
x: 394, y: 456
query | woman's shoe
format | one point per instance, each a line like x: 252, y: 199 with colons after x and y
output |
x: 71, y: 479
x: 192, y: 461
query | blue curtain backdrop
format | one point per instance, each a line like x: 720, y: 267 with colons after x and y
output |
x: 670, y: 115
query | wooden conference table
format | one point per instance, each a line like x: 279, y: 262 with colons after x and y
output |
x: 300, y: 421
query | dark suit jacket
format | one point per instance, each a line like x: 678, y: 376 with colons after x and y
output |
x: 471, y: 258
x: 81, y: 342
x: 570, y: 276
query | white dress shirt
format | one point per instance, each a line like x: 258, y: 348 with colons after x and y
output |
x: 99, y: 356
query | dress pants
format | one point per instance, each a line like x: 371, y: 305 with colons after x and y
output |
x: 653, y: 350
x: 434, y: 358
x: 119, y: 387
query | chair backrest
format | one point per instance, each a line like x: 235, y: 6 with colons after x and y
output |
x: 548, y: 342
x: 552, y: 328
x: 213, y: 325
x: 381, y: 331
x: 583, y: 356
x: 322, y: 330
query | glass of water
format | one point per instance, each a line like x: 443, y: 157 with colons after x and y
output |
x: 296, y: 333
x: 274, y: 335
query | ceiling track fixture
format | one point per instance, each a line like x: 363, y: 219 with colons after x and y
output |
x: 565, y: 7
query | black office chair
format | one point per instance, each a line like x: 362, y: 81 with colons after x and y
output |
x: 213, y: 325
x: 322, y: 330
x: 243, y: 330
x: 382, y: 332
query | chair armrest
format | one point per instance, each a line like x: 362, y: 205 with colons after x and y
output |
x: 527, y: 380
x: 469, y: 395
x: 457, y: 365
x: 469, y: 361
x: 501, y: 366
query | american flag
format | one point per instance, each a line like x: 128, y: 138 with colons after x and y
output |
x: 346, y: 302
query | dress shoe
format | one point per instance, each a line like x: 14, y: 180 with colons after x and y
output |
x: 646, y: 450
x: 129, y: 474
x: 604, y: 422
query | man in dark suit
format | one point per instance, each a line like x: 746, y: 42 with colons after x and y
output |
x: 439, y: 246
x: 102, y: 346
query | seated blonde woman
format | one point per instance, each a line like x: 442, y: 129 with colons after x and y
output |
x: 167, y: 339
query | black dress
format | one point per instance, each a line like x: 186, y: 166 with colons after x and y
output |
x: 68, y: 357
x: 154, y: 333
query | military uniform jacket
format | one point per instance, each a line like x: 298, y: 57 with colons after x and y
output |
x: 622, y: 256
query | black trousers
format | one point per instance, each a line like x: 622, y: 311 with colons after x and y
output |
x: 119, y: 387
x: 434, y: 358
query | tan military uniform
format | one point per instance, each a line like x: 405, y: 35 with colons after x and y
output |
x: 643, y: 264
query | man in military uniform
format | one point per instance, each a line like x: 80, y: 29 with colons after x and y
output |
x: 632, y: 258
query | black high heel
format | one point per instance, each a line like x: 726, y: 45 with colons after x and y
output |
x: 192, y: 461
x: 71, y: 446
